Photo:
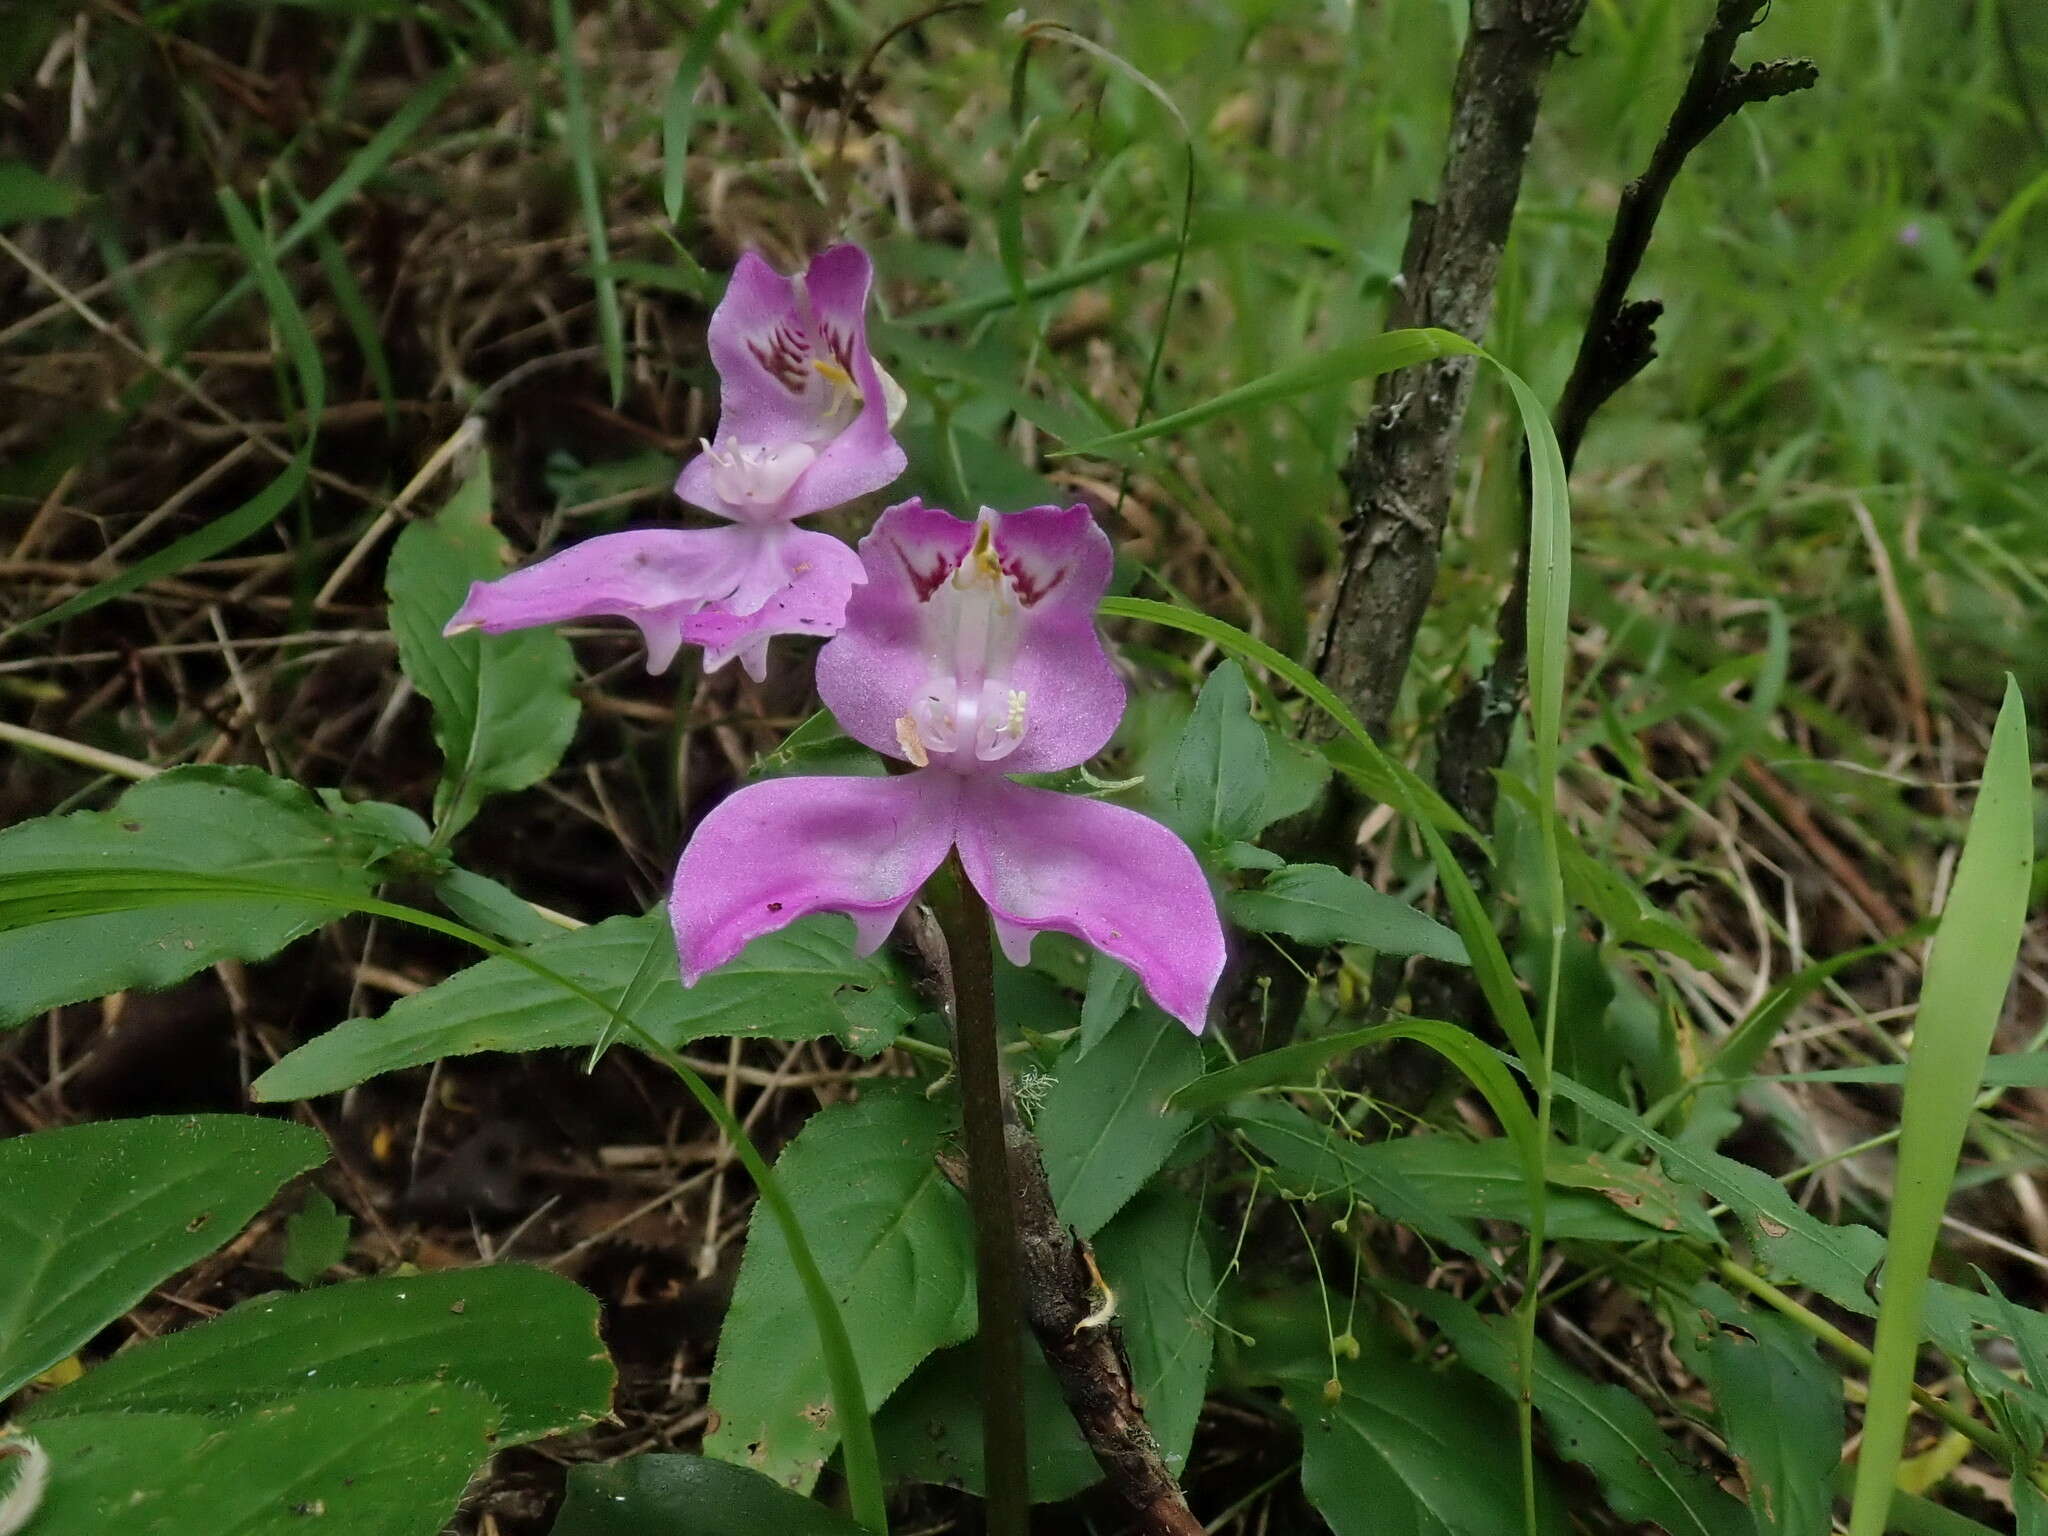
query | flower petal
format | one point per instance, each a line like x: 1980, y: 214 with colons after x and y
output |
x: 787, y: 353
x: 1058, y: 562
x: 875, y: 667
x: 1109, y: 876
x: 799, y: 586
x: 785, y: 848
x: 655, y: 577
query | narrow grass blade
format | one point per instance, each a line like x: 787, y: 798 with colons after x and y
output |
x: 679, y: 107
x: 1968, y: 970
x: 257, y: 512
x: 1340, y: 365
x: 583, y: 157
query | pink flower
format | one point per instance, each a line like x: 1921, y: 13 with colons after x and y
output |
x: 970, y: 653
x: 805, y: 418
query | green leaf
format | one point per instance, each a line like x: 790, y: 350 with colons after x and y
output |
x: 368, y: 1461
x: 315, y: 1239
x: 1781, y: 1409
x: 1602, y: 1427
x: 1592, y: 1198
x: 95, y: 1215
x: 1218, y: 785
x: 688, y: 1496
x: 1155, y: 1259
x: 893, y: 1240
x: 784, y: 986
x: 504, y: 708
x: 235, y: 821
x: 1404, y: 1447
x: 1315, y: 1161
x: 1111, y: 992
x: 1105, y: 1128
x: 27, y: 194
x: 1785, y: 1239
x: 1316, y: 904
x: 484, y: 903
x: 930, y: 1431
x: 524, y: 1338
x: 1969, y: 969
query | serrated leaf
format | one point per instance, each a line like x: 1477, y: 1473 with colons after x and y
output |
x: 95, y: 1215
x: 524, y: 1338
x: 894, y: 1242
x: 223, y: 821
x: 504, y: 705
x: 689, y: 1496
x: 1602, y: 1427
x: 315, y: 1239
x: 1218, y: 785
x: 1154, y: 1257
x: 485, y: 903
x: 1403, y: 1447
x: 1111, y: 990
x: 368, y: 1461
x: 783, y: 986
x: 1105, y: 1128
x: 1780, y: 1407
x: 1316, y: 904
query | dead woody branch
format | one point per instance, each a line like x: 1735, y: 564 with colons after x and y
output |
x: 1618, y: 343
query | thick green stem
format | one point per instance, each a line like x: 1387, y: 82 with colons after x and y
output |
x: 963, y: 915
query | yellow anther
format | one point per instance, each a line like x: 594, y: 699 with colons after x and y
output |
x: 844, y: 390
x: 911, y: 740
x: 981, y: 563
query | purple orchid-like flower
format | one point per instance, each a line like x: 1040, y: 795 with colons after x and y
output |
x: 970, y: 653
x: 805, y: 419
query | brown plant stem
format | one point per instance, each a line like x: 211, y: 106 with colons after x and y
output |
x: 977, y: 1057
x: 1062, y: 1299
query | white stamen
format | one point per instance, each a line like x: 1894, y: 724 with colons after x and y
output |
x: 757, y: 476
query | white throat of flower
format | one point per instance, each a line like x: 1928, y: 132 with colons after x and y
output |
x: 745, y: 475
x: 969, y: 712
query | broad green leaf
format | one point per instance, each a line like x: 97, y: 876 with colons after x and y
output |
x: 784, y: 986
x: 1316, y: 904
x: 1154, y: 1257
x: 1592, y: 1198
x: 27, y: 194
x: 1111, y: 991
x: 1314, y: 1161
x: 484, y: 903
x: 522, y: 1337
x: 688, y: 1496
x: 504, y: 708
x: 930, y: 1430
x: 315, y: 1239
x: 1404, y: 1447
x: 368, y: 1461
x: 230, y: 821
x: 95, y: 1215
x: 1780, y: 1407
x: 1602, y: 1427
x: 894, y: 1242
x: 1105, y: 1128
x: 1786, y: 1240
x: 1969, y: 969
x: 1218, y: 786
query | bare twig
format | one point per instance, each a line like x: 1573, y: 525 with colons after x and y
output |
x: 1618, y: 343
